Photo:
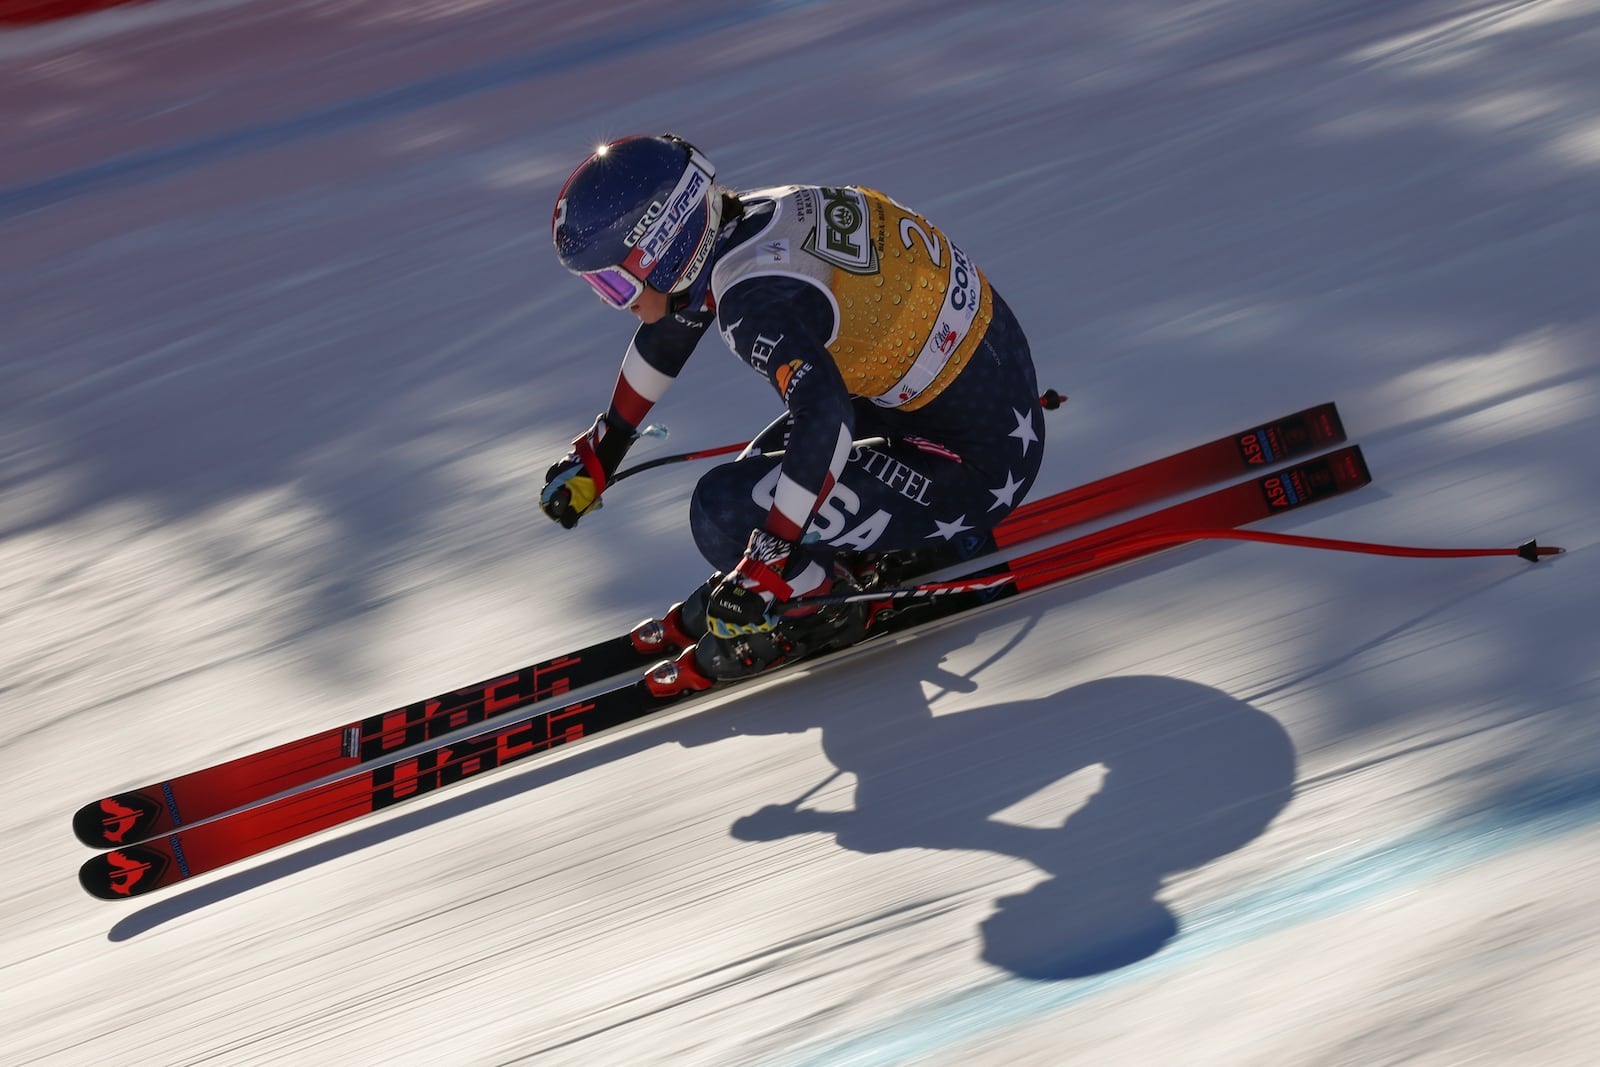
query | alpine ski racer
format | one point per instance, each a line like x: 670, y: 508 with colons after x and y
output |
x: 870, y: 325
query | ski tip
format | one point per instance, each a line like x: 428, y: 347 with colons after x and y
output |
x: 118, y: 820
x: 127, y: 872
x: 89, y: 827
x: 1533, y: 552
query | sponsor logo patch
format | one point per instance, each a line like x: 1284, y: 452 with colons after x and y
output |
x: 650, y: 215
x: 126, y: 818
x: 663, y: 223
x: 762, y: 349
x: 842, y: 235
x: 127, y: 869
x: 788, y: 375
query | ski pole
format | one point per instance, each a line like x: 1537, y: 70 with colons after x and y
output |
x: 681, y: 457
x: 1049, y: 401
x: 722, y: 450
x: 1050, y: 569
x: 1530, y: 550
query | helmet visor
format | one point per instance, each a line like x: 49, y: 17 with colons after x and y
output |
x: 616, y: 286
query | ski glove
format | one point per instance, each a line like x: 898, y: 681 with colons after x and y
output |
x: 743, y: 601
x: 572, y: 487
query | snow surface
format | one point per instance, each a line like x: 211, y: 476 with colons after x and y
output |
x: 285, y: 354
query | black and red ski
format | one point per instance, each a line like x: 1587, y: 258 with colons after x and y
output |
x: 141, y: 868
x: 129, y: 817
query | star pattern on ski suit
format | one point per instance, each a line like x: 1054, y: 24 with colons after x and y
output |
x: 1006, y: 495
x: 1024, y: 431
x: 948, y: 530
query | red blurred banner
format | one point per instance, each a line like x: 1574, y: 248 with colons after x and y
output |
x: 15, y: 11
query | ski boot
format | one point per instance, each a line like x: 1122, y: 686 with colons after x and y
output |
x: 808, y: 631
x: 830, y: 626
x: 705, y: 659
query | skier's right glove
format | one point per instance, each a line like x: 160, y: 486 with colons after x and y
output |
x: 572, y: 486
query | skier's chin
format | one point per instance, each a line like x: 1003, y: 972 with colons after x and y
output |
x: 651, y: 307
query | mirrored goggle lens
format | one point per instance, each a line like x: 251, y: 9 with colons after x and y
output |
x: 616, y: 286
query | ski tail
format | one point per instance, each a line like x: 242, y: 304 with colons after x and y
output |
x: 1246, y: 452
x: 1237, y: 505
x: 1216, y: 515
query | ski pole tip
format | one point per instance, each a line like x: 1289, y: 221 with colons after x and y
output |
x: 1533, y: 552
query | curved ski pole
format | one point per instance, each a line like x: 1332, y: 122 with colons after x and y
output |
x: 1049, y: 569
x: 1050, y: 401
x: 1529, y: 550
x: 723, y: 450
x: 681, y: 457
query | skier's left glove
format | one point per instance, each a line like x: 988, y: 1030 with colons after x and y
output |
x: 742, y: 603
x: 572, y: 486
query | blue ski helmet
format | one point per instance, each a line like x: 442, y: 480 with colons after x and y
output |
x: 639, y: 210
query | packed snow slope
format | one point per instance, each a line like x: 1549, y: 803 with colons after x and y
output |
x: 284, y: 353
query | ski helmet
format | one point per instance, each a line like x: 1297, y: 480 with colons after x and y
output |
x: 642, y: 210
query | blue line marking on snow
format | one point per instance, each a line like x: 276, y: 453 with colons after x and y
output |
x: 1541, y: 812
x: 140, y: 167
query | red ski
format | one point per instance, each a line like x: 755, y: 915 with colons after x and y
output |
x: 141, y: 868
x: 125, y: 818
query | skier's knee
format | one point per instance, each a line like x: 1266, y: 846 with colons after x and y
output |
x: 720, y: 527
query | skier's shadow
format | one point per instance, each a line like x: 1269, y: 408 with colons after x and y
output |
x: 1189, y: 774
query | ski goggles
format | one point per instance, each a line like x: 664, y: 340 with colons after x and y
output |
x: 615, y: 285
